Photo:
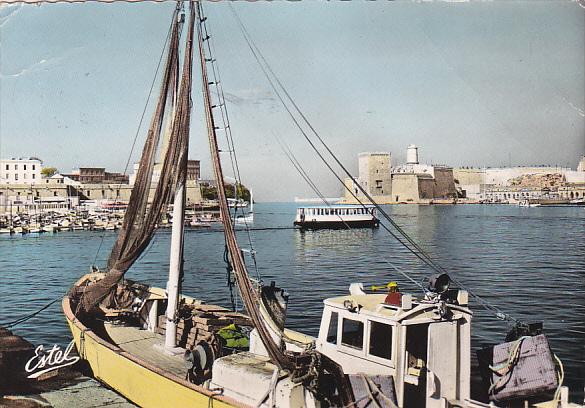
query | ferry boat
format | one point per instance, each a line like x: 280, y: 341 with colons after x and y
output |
x: 337, y: 217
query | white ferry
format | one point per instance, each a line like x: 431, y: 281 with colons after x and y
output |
x: 337, y: 216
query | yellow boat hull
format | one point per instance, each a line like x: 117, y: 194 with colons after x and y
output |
x: 138, y: 381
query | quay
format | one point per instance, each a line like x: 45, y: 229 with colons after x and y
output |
x: 87, y: 220
x: 62, y: 388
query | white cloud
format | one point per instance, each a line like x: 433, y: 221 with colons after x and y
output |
x: 7, y: 11
x: 41, y: 65
x: 252, y: 96
x: 581, y: 112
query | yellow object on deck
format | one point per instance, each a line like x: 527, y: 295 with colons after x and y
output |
x: 392, y: 286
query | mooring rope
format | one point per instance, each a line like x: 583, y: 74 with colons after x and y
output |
x: 29, y: 316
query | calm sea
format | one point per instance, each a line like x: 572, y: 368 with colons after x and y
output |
x: 529, y: 262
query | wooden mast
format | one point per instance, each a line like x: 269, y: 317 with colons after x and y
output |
x: 177, y: 234
x: 249, y: 294
x: 175, y: 267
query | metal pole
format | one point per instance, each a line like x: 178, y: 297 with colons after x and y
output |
x: 176, y: 262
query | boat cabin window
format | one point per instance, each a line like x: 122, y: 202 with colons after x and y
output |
x: 332, y: 331
x: 381, y: 340
x: 352, y: 333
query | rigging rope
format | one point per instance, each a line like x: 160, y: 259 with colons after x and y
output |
x: 410, y: 244
x: 221, y: 104
x: 249, y: 295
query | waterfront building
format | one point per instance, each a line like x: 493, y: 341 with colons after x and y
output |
x: 59, y: 178
x: 411, y: 182
x: 516, y: 194
x: 423, y: 183
x: 581, y: 165
x: 99, y: 175
x: 106, y: 193
x: 420, y: 183
x: 36, y: 197
x: 20, y: 171
x: 374, y: 173
x: 506, y: 184
x: 193, y: 171
x: 23, y: 196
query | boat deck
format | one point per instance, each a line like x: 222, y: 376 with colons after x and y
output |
x: 142, y: 344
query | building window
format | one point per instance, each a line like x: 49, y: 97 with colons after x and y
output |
x: 54, y: 194
x: 332, y: 331
x: 34, y: 176
x: 24, y: 166
x: 352, y: 333
x: 16, y: 167
x: 34, y: 167
x: 7, y: 167
x: 381, y: 340
x: 16, y: 177
x: 88, y: 193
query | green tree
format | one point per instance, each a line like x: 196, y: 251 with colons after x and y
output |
x: 49, y: 171
x: 210, y: 193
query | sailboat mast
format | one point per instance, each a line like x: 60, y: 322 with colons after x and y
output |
x: 177, y: 235
x: 176, y: 264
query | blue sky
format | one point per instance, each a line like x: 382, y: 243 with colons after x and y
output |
x: 479, y: 83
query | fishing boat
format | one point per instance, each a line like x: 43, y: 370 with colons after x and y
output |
x: 161, y: 348
x: 337, y: 216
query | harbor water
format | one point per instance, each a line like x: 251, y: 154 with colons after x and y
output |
x: 527, y: 262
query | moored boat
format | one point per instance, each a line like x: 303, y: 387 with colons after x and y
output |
x: 337, y: 216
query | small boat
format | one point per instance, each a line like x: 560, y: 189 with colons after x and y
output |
x: 239, y: 203
x: 249, y: 217
x: 579, y: 202
x: 35, y: 229
x: 337, y: 217
x: 245, y: 219
x: 527, y: 203
x: 197, y: 223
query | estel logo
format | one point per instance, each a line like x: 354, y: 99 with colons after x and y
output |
x: 50, y: 360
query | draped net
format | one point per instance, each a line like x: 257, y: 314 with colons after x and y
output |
x: 143, y: 215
